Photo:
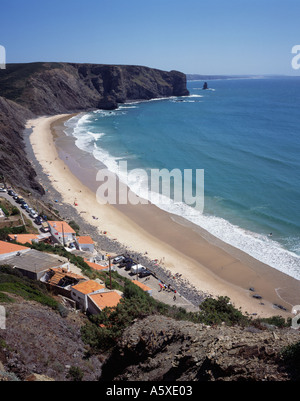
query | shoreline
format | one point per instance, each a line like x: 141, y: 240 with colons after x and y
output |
x: 212, y: 266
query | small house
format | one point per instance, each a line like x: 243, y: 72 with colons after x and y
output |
x: 31, y: 263
x: 85, y: 243
x: 8, y: 249
x: 62, y: 232
x: 98, y: 301
x: 24, y: 238
x: 80, y: 292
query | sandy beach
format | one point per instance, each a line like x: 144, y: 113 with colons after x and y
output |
x: 209, y: 264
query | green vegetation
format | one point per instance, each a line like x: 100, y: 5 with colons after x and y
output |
x: 75, y: 374
x: 75, y: 226
x: 277, y: 321
x: 291, y: 359
x: 217, y: 311
x: 15, y: 211
x: 5, y: 211
x: 12, y: 282
x: 8, y: 208
x: 11, y: 230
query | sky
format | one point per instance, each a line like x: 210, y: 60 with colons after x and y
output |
x: 193, y: 36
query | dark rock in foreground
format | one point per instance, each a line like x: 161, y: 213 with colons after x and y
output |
x: 161, y: 349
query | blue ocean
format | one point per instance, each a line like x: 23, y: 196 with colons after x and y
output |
x: 244, y: 134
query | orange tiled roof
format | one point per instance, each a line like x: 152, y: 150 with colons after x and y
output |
x: 87, y: 287
x: 61, y: 226
x: 106, y: 299
x: 23, y: 238
x: 95, y: 266
x: 7, y: 247
x: 141, y: 285
x: 85, y: 239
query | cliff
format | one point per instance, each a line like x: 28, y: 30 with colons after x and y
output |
x: 34, y: 89
x: 39, y: 344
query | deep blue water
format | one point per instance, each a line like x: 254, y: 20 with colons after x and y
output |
x: 245, y: 134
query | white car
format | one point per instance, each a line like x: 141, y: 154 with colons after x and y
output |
x: 3, y: 190
x: 33, y: 214
x: 118, y: 259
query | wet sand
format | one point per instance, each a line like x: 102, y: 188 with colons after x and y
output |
x: 182, y: 247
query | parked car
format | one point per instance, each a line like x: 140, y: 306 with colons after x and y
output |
x: 15, y: 197
x: 24, y: 205
x: 29, y: 210
x: 3, y: 190
x: 20, y: 200
x: 38, y: 220
x: 45, y: 228
x: 11, y: 192
x: 145, y: 273
x: 129, y: 266
x: 118, y: 259
x: 126, y: 261
x: 33, y: 214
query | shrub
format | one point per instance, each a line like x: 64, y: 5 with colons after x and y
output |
x: 291, y: 359
x: 62, y: 311
x: 11, y: 230
x: 75, y: 374
x: 75, y: 226
x: 277, y: 321
x: 5, y: 211
x: 15, y: 211
x: 216, y: 311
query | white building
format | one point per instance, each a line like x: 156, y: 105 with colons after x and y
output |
x: 62, y: 232
x: 85, y: 243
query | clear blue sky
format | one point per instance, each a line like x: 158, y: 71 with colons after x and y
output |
x: 193, y: 36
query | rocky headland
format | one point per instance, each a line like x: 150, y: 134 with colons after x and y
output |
x: 38, y: 89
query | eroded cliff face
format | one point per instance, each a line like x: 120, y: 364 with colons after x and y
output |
x: 49, y: 88
x: 14, y: 164
x: 35, y: 89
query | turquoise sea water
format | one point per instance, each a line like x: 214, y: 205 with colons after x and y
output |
x: 245, y: 134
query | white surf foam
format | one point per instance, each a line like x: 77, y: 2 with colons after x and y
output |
x: 261, y: 247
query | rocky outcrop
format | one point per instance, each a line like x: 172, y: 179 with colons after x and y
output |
x: 161, y: 349
x: 35, y: 89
